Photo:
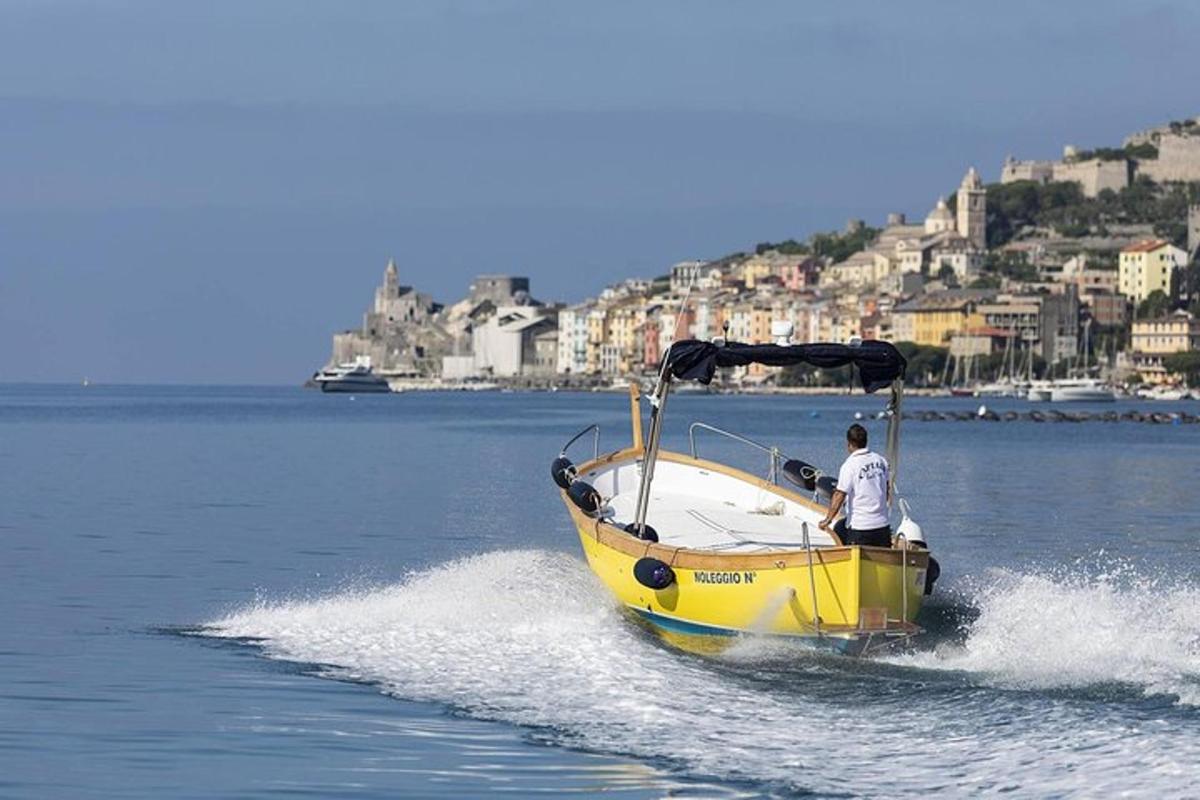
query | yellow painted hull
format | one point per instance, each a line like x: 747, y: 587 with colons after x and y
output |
x: 864, y: 596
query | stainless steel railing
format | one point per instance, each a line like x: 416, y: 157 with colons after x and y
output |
x: 773, y: 452
x: 595, y: 440
x: 812, y: 580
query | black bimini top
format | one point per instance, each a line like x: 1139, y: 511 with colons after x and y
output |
x: 879, y: 363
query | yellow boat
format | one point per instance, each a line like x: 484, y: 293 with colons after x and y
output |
x: 704, y: 552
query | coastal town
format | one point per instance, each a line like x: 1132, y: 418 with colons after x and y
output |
x: 1085, y: 268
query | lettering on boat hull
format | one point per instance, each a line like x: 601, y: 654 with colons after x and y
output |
x: 732, y: 577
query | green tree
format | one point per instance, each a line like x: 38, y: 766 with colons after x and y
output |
x: 925, y: 363
x: 948, y: 276
x: 1185, y: 364
x: 1156, y: 304
x: 1011, y: 265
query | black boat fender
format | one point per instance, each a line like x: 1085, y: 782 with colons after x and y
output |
x: 646, y: 533
x: 932, y: 574
x: 826, y: 486
x: 653, y: 574
x: 801, y: 474
x: 563, y: 472
x: 585, y: 497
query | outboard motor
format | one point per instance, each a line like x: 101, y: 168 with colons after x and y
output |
x: 908, y: 527
x: 915, y: 537
x: 653, y: 574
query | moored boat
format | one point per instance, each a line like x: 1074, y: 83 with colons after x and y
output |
x: 356, y: 377
x: 1081, y: 390
x: 704, y: 552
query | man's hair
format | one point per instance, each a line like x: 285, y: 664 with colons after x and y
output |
x: 857, y: 436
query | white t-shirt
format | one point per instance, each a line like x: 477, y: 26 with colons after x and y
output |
x: 864, y: 479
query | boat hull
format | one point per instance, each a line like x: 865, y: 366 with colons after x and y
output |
x: 350, y: 387
x: 1071, y: 395
x: 864, y: 596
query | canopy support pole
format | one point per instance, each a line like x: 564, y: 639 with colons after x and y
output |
x: 635, y: 413
x: 893, y: 436
x: 658, y: 407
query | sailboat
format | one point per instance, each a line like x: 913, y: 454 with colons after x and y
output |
x: 1079, y: 388
x: 703, y: 553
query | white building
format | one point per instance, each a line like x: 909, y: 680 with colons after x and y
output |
x: 572, y: 340
x: 501, y: 345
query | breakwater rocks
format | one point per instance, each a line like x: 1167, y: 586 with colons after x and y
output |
x: 985, y: 414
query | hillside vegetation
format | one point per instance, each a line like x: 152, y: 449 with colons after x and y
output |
x: 1020, y: 205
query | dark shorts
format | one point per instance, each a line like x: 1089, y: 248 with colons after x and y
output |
x: 874, y: 537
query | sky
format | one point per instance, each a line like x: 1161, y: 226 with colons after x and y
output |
x: 205, y: 192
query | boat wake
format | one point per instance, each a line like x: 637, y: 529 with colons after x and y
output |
x: 529, y: 637
x: 1075, y: 630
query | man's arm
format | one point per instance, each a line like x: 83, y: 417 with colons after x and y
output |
x: 835, y: 505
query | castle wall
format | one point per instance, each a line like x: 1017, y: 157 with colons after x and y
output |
x: 500, y: 289
x: 1037, y: 171
x: 1178, y: 159
x: 1094, y: 176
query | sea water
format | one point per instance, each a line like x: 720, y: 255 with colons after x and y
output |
x: 266, y: 592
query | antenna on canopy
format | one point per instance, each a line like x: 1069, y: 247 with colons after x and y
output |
x: 687, y: 293
x: 658, y: 404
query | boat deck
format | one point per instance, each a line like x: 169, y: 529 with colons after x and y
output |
x: 701, y: 509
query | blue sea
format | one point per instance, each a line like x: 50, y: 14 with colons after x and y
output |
x: 270, y: 592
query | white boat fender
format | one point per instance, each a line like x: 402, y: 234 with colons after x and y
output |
x: 646, y: 533
x: 563, y: 472
x: 585, y: 497
x: 653, y: 574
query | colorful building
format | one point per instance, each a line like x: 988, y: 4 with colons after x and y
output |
x: 1146, y: 267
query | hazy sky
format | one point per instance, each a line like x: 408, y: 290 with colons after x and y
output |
x: 205, y: 192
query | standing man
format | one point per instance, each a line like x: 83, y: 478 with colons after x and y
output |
x: 863, y: 487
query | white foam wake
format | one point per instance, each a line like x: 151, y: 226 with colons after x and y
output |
x: 1076, y: 630
x: 530, y: 638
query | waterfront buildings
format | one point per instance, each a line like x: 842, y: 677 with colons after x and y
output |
x: 1153, y: 339
x: 932, y: 283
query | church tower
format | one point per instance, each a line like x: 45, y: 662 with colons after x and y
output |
x: 391, y: 278
x: 972, y: 210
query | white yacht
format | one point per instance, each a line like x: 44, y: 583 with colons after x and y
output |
x: 999, y: 388
x: 1164, y: 393
x: 357, y: 377
x: 1087, y: 390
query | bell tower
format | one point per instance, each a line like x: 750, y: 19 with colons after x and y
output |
x: 391, y: 278
x: 971, y: 202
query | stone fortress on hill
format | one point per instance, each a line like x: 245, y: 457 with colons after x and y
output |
x: 973, y: 277
x: 1168, y: 153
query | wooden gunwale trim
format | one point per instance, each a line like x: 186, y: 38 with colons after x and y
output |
x: 613, y: 537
